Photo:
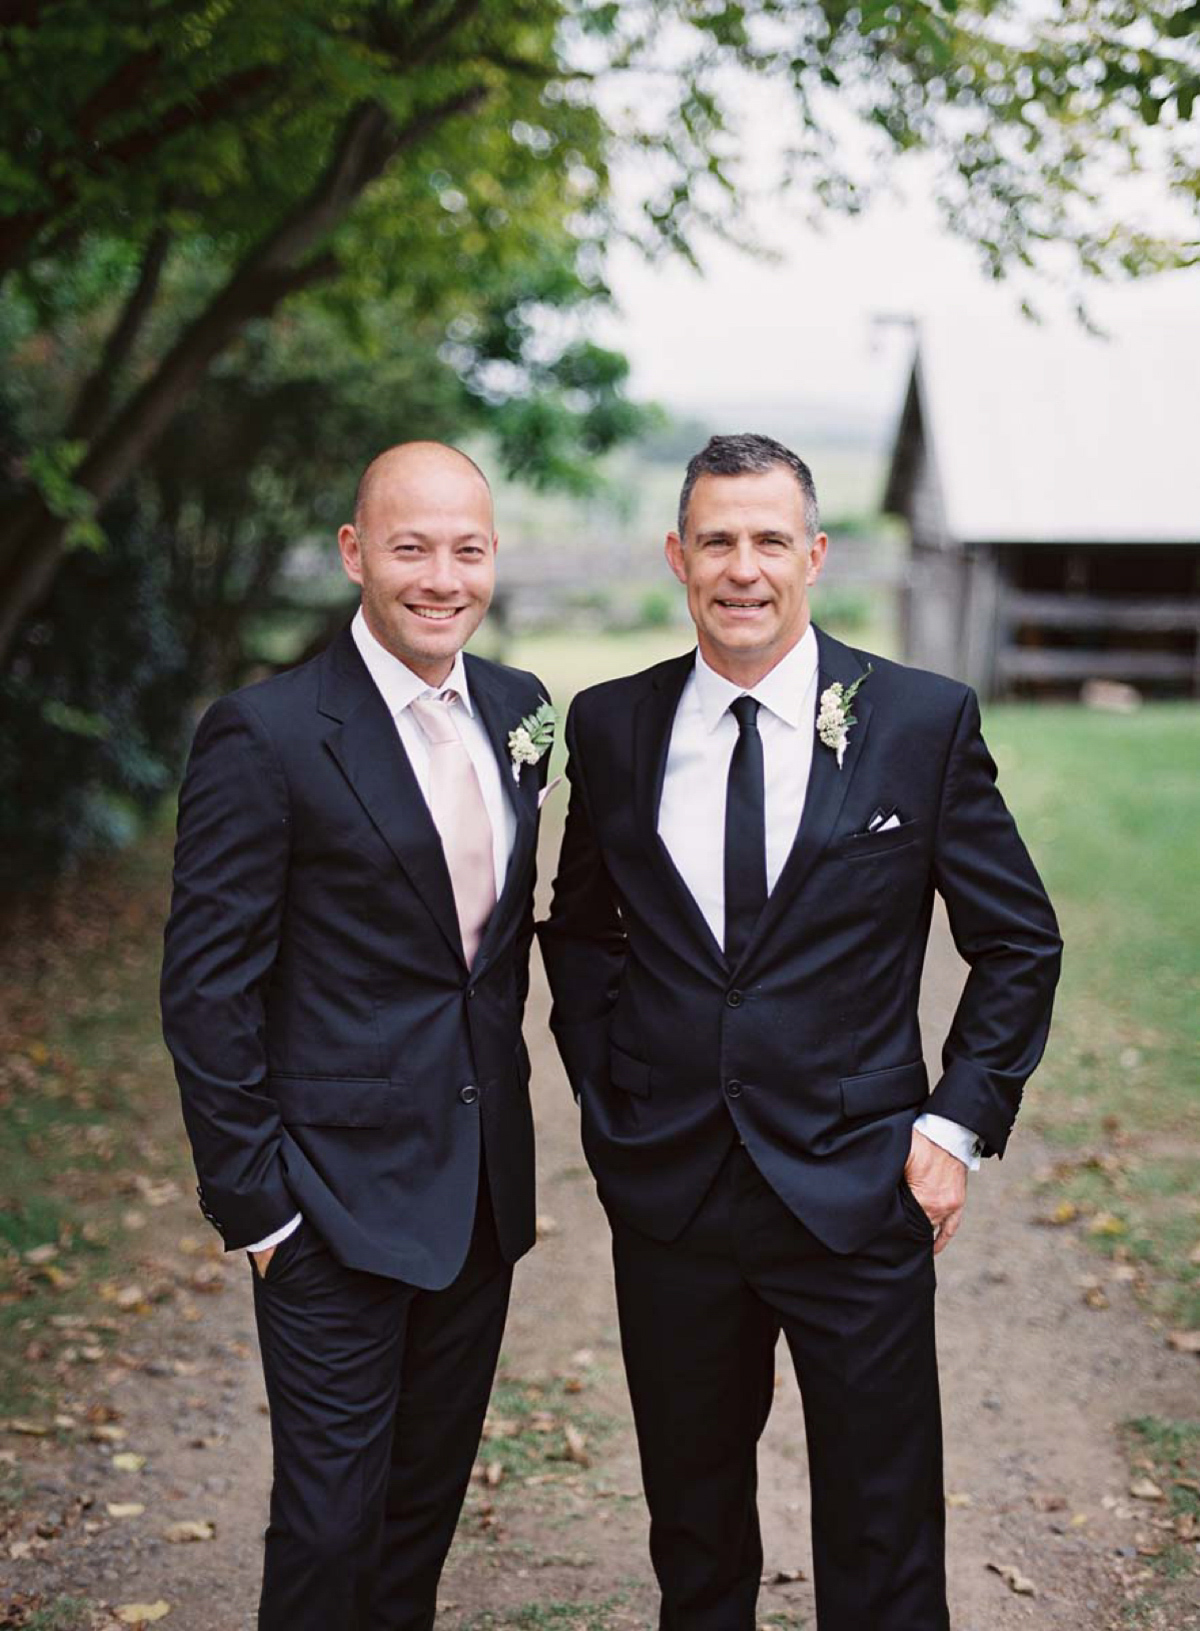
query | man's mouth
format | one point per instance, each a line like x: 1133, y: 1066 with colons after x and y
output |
x: 741, y: 605
x: 434, y: 614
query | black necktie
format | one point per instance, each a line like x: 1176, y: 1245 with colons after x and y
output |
x: 745, y: 832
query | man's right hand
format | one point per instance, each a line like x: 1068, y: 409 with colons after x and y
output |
x: 261, y: 1260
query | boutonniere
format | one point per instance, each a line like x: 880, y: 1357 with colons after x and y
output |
x: 835, y: 719
x: 532, y: 738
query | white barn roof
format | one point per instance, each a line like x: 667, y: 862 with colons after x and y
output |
x: 1052, y: 435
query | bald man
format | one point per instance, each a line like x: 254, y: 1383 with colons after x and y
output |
x: 346, y: 967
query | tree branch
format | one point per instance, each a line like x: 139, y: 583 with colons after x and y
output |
x: 97, y: 391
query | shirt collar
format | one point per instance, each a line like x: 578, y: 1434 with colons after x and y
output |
x: 783, y: 690
x: 395, y: 681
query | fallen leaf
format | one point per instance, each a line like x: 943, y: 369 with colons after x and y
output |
x: 1094, y: 1297
x: 493, y: 1473
x: 1145, y: 1489
x: 784, y: 1577
x: 143, y: 1613
x: 29, y: 1429
x: 501, y: 1427
x: 107, y: 1434
x: 37, y: 1255
x: 576, y: 1446
x: 1107, y: 1223
x: 190, y: 1529
x: 546, y: 1225
x: 583, y: 1357
x: 124, y: 1509
x: 1064, y: 1212
x: 1185, y: 1342
x: 957, y: 1499
x: 128, y: 1461
x: 1014, y: 1579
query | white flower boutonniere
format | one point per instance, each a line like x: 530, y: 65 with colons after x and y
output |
x: 532, y: 738
x: 835, y: 719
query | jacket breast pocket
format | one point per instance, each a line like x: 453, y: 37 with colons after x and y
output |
x: 876, y: 1092
x: 860, y: 846
x: 333, y: 1101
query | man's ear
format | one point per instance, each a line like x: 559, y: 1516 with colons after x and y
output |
x: 350, y: 549
x: 816, y: 557
x: 674, y: 554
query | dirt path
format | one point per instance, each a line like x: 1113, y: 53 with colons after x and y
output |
x: 1034, y: 1382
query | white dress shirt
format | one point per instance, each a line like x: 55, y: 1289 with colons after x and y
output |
x: 398, y: 686
x: 691, y: 816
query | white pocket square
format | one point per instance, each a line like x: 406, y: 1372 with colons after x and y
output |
x: 547, y: 790
x: 892, y: 821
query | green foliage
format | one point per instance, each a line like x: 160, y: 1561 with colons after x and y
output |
x: 92, y: 709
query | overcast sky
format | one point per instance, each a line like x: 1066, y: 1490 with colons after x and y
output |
x: 801, y: 331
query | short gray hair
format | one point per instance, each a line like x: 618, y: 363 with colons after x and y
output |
x: 749, y: 454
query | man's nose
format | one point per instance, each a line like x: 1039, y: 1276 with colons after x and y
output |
x: 440, y: 576
x: 742, y: 565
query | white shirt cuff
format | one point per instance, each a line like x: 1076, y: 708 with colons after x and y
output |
x: 952, y: 1137
x: 291, y: 1227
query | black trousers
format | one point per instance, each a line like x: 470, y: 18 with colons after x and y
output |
x: 700, y: 1317
x: 377, y: 1392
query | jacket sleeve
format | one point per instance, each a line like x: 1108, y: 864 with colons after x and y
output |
x: 221, y: 941
x: 583, y: 940
x: 1005, y: 930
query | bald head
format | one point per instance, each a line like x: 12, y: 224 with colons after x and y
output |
x: 417, y: 462
x: 423, y: 550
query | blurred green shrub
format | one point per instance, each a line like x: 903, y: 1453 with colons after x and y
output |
x: 656, y: 610
x: 93, y: 704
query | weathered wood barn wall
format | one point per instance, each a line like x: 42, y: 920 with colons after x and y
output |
x: 1051, y: 484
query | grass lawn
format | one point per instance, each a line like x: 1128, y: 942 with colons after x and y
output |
x: 1110, y: 808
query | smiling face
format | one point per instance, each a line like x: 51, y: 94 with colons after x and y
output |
x: 423, y: 551
x: 747, y: 564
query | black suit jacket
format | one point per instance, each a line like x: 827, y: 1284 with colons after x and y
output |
x: 334, y: 1053
x: 809, y: 1048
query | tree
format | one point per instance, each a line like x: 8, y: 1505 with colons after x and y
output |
x: 237, y: 157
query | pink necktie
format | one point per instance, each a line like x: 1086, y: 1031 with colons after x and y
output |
x: 460, y: 816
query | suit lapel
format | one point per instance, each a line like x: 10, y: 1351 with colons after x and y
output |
x: 499, y: 714
x: 652, y: 739
x: 370, y: 756
x: 827, y: 785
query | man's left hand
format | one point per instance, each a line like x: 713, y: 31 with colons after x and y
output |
x: 939, y: 1182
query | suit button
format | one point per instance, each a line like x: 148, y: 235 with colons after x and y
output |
x: 734, y: 999
x: 468, y: 1094
x: 470, y: 991
x: 734, y: 1089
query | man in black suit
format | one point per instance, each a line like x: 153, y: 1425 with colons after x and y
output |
x: 755, y: 836
x: 346, y: 967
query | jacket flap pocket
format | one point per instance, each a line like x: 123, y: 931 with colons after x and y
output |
x: 333, y: 1101
x: 630, y: 1074
x: 877, y: 1091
